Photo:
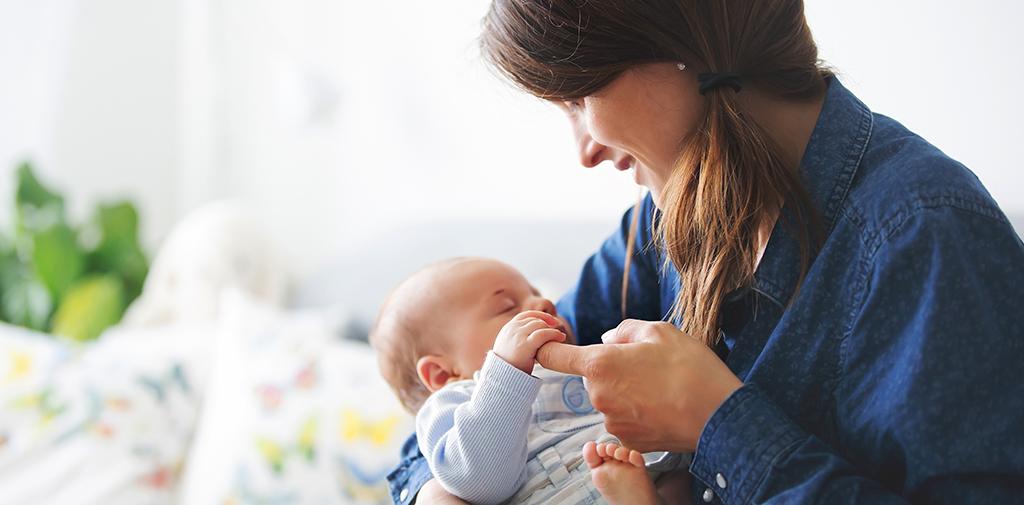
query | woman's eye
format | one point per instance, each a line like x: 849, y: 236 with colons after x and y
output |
x: 573, y: 105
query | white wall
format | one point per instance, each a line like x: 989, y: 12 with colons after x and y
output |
x: 950, y: 71
x: 347, y: 119
x: 34, y: 46
x: 341, y: 119
x: 90, y: 94
x: 396, y: 119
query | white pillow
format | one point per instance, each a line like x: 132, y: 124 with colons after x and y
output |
x: 107, y: 423
x: 293, y: 415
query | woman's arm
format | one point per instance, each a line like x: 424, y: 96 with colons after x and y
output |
x: 433, y: 494
x: 673, y: 488
x: 930, y: 403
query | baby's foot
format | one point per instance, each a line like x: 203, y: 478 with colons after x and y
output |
x: 619, y: 474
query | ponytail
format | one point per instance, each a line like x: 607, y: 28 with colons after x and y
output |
x: 727, y: 182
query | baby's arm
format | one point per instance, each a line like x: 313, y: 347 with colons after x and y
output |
x: 475, y: 438
x: 474, y: 435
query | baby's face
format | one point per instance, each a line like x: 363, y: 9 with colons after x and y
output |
x: 478, y: 297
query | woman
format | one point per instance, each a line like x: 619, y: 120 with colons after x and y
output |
x: 842, y: 296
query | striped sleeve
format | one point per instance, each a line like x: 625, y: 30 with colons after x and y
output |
x: 473, y: 433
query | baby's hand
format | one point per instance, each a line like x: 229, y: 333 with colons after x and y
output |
x: 518, y: 341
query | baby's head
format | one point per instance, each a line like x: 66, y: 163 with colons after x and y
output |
x: 437, y: 325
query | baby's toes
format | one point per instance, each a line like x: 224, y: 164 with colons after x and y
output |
x: 607, y: 449
x: 637, y: 459
x: 591, y: 456
x: 622, y: 454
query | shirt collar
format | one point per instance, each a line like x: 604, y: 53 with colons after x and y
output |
x: 833, y: 154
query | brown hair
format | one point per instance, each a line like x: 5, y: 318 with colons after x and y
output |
x: 730, y: 174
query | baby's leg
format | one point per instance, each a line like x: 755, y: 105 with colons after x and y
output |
x: 619, y: 474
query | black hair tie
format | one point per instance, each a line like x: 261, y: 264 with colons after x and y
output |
x: 709, y: 82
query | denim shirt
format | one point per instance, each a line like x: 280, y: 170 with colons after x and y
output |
x: 893, y: 375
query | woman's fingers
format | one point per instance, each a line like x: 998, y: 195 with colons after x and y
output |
x: 628, y: 331
x: 577, y: 360
x: 566, y: 358
x: 656, y: 385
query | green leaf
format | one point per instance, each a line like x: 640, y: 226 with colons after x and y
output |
x: 119, y: 250
x: 92, y: 305
x: 24, y: 301
x: 36, y: 206
x: 32, y: 192
x: 120, y: 221
x: 57, y: 259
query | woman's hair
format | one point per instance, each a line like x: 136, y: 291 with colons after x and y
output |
x: 730, y: 175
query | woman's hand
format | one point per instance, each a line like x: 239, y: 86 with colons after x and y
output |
x: 432, y: 493
x: 656, y: 386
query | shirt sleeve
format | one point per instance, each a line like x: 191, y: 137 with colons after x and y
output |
x: 406, y: 479
x: 930, y: 401
x: 474, y: 438
x: 594, y: 305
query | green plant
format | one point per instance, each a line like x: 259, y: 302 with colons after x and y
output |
x: 70, y: 281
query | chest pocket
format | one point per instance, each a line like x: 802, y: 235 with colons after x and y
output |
x: 563, y: 406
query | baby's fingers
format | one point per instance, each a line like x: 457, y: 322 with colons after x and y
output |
x: 545, y: 335
x: 530, y: 326
x: 537, y: 314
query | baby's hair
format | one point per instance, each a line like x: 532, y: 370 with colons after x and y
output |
x: 400, y: 342
x: 397, y: 344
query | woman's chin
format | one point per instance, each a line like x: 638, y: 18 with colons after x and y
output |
x: 643, y: 184
x: 655, y: 196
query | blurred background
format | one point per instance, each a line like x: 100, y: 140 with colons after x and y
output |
x: 344, y: 121
x: 310, y: 154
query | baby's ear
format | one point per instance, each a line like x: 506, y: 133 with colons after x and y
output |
x: 434, y: 372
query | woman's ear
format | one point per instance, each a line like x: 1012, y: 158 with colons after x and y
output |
x: 434, y: 372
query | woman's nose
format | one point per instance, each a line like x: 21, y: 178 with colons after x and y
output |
x: 591, y: 152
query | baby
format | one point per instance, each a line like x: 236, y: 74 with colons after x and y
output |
x: 457, y: 342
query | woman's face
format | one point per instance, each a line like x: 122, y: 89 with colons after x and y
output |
x: 638, y: 122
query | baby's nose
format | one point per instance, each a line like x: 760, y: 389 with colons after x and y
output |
x: 542, y: 304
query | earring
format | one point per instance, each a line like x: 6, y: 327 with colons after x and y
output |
x: 681, y: 66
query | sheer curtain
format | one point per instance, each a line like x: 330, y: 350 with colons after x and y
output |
x: 34, y: 55
x: 89, y: 93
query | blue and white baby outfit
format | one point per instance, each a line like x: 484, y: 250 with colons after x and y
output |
x: 510, y: 437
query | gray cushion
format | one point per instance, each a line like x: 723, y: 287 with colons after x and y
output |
x: 549, y: 253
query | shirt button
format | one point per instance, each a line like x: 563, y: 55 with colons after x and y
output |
x: 720, y: 480
x: 403, y: 495
x: 708, y: 495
